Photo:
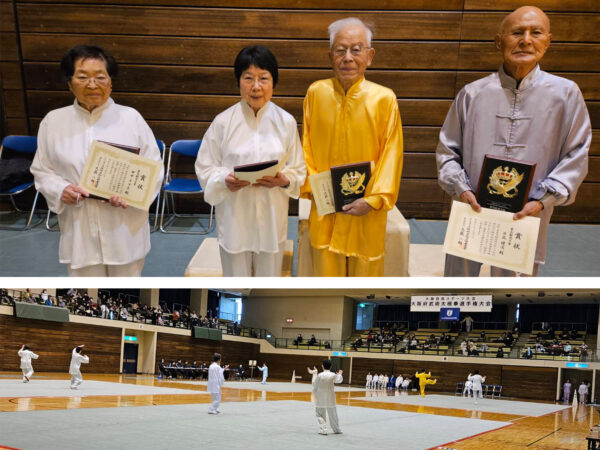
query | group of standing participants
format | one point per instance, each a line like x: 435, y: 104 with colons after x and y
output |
x: 519, y: 112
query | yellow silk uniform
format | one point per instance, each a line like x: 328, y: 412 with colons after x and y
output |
x: 424, y: 381
x: 362, y: 124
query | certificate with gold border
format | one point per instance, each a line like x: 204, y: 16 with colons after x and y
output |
x: 112, y: 171
x: 492, y: 237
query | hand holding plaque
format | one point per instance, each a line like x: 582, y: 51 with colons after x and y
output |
x: 339, y: 186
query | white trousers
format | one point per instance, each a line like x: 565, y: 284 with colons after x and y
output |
x: 76, y: 379
x: 216, y: 402
x: 467, y: 390
x: 460, y: 267
x: 250, y: 264
x: 264, y: 380
x: 477, y: 393
x: 333, y: 419
x: 133, y: 269
x: 27, y: 373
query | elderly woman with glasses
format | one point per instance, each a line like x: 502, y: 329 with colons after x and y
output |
x: 98, y: 238
x: 251, y: 219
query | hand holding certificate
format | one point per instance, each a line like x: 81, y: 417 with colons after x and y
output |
x: 253, y: 172
x: 492, y: 237
x: 110, y: 171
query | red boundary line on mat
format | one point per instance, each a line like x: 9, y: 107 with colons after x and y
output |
x: 469, y: 437
x: 9, y: 448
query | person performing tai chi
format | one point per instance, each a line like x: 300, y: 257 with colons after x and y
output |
x: 323, y: 391
x: 74, y: 370
x: 477, y: 381
x: 26, y: 357
x: 314, y: 372
x: 215, y: 381
x: 424, y: 380
x: 567, y: 391
x: 265, y: 372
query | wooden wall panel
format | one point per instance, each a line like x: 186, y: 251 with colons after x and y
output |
x: 565, y: 27
x: 281, y: 366
x: 300, y: 24
x: 179, y: 74
x: 546, y: 5
x: 447, y: 5
x: 516, y: 381
x: 8, y: 17
x: 11, y: 76
x: 174, y: 347
x: 54, y: 342
x: 537, y: 383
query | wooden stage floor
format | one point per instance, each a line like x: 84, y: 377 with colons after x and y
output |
x: 565, y: 429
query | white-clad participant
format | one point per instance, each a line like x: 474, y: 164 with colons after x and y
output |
x: 399, y: 381
x: 74, y: 370
x: 314, y: 372
x: 26, y: 357
x: 583, y: 391
x: 369, y: 380
x: 375, y: 382
x: 323, y: 391
x: 468, y: 388
x: 215, y: 381
x: 477, y: 381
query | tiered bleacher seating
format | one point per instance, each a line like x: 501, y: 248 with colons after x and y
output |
x: 556, y: 353
x: 491, y: 341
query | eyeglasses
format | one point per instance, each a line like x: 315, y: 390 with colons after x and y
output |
x: 263, y: 81
x: 355, y: 50
x: 99, y: 79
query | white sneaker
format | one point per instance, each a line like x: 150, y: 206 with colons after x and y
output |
x: 324, y: 433
x: 213, y: 412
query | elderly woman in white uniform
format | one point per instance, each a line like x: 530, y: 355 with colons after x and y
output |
x: 98, y: 238
x: 251, y: 219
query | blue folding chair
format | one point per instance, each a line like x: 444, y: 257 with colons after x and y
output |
x: 161, y: 148
x: 26, y: 145
x: 182, y: 186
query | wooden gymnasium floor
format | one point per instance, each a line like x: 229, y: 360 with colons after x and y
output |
x: 565, y: 429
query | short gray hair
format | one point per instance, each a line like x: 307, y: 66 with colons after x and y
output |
x: 337, y: 26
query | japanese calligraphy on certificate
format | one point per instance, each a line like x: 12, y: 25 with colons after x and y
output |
x: 322, y: 192
x: 492, y: 237
x: 112, y: 171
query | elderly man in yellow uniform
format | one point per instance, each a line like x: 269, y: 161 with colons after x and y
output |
x: 348, y: 119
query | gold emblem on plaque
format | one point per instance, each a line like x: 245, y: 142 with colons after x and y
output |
x: 504, y: 181
x: 353, y: 183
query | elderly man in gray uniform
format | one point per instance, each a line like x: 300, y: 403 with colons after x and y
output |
x: 519, y: 112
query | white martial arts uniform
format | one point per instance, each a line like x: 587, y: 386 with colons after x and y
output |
x: 314, y: 373
x: 93, y: 233
x: 405, y: 383
x: 26, y: 367
x: 399, y: 381
x: 265, y: 371
x: 74, y: 370
x: 385, y: 382
x: 252, y: 222
x: 325, y: 400
x: 215, y: 381
x: 375, y: 382
x: 477, y: 381
x: 468, y: 388
x: 583, y: 391
x: 369, y: 380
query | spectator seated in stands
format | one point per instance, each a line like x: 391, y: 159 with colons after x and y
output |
x: 482, y: 336
x: 567, y: 348
x: 528, y: 354
x: 500, y: 353
x: 313, y: 340
x: 357, y: 344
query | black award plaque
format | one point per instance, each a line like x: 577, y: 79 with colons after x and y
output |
x: 504, y: 183
x: 349, y: 182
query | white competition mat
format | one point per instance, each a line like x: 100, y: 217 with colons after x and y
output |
x: 271, y: 387
x: 60, y: 388
x: 485, y: 405
x: 254, y: 425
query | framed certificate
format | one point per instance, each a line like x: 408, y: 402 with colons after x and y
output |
x: 504, y: 183
x: 110, y: 170
x: 492, y: 237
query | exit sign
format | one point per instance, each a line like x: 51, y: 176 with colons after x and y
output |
x: 131, y: 338
x: 340, y: 354
x: 576, y: 365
